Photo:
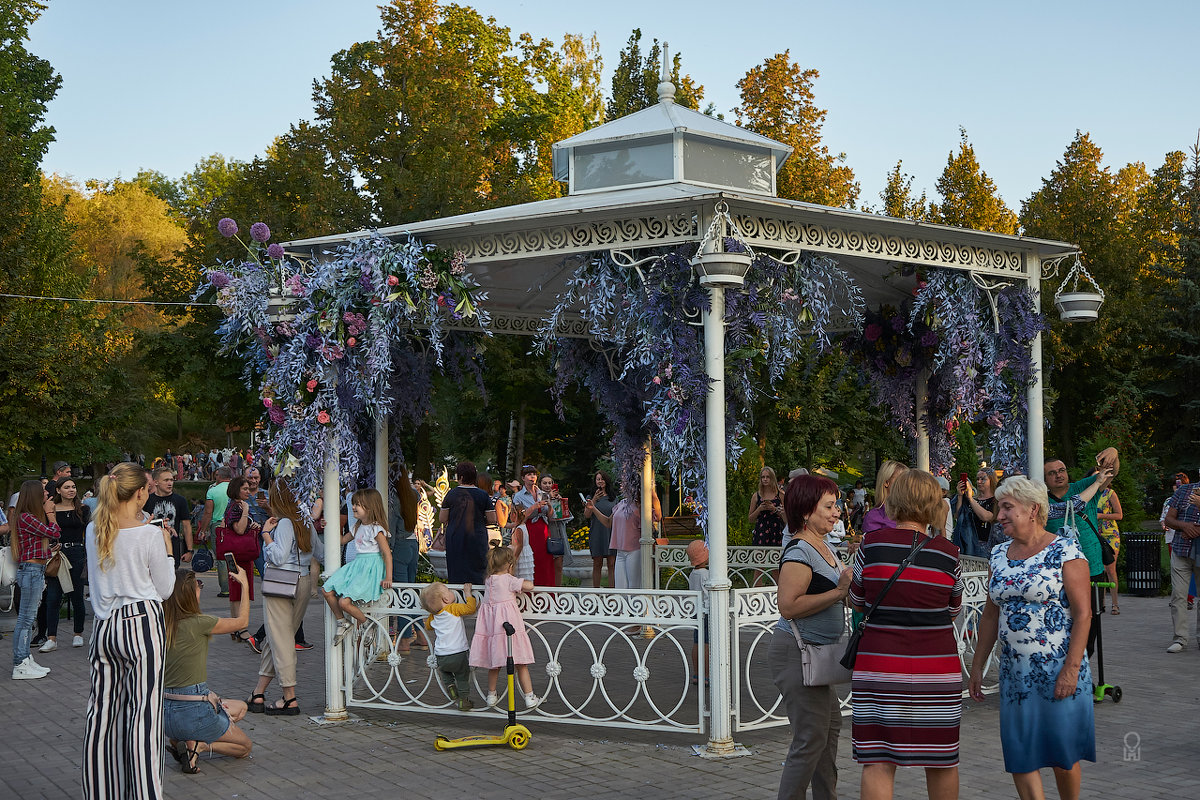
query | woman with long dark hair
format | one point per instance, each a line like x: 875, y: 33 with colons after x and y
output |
x: 193, y: 715
x: 239, y: 534
x: 129, y: 574
x: 72, y: 517
x: 402, y: 522
x: 34, y: 529
x: 600, y: 534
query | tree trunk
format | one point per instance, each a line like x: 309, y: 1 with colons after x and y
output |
x: 519, y: 457
x: 422, y: 467
x: 179, y: 424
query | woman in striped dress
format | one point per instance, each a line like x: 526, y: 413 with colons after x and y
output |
x: 907, y: 683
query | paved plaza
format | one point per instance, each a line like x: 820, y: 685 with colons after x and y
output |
x: 1147, y: 746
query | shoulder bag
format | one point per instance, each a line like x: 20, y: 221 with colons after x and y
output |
x: 819, y: 663
x: 851, y: 654
x: 282, y: 581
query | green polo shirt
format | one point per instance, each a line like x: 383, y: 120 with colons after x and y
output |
x: 1088, y: 541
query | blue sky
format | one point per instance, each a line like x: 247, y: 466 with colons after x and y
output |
x: 161, y: 84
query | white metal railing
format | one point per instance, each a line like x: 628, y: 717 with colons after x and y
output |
x: 594, y: 663
x: 756, y: 702
x: 751, y: 566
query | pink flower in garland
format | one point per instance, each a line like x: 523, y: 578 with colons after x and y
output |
x: 872, y: 332
x: 351, y: 342
x: 312, y: 384
x: 268, y: 402
x: 393, y: 280
x: 323, y: 417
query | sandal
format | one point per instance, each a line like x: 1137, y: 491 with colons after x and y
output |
x: 290, y: 708
x: 1116, y: 611
x: 242, y: 637
x: 255, y: 705
x: 192, y: 765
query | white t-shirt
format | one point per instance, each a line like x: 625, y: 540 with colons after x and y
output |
x: 860, y: 497
x: 364, y: 538
x: 141, y: 569
x: 451, y: 634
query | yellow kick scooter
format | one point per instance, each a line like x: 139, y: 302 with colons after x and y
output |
x: 515, y: 735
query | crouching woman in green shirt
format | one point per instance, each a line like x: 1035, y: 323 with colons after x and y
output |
x: 193, y: 716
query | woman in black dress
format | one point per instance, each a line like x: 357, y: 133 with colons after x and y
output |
x: 72, y: 517
x: 766, y: 511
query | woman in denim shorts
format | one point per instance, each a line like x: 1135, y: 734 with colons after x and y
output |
x: 193, y: 715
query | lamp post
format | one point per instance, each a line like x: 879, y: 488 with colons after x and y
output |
x: 718, y: 270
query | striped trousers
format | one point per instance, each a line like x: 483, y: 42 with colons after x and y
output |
x: 123, y: 738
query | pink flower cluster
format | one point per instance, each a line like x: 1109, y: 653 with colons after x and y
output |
x: 356, y: 323
x: 458, y: 264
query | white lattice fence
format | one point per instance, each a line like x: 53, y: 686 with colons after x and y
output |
x: 594, y: 665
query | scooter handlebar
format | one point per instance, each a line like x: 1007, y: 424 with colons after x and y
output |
x: 509, y: 630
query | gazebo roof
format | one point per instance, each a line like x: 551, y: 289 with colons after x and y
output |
x: 521, y: 255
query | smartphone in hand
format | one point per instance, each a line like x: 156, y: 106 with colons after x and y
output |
x: 231, y: 564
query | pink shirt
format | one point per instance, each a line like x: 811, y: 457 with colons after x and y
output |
x: 626, y: 527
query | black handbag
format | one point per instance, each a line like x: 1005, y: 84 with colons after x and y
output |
x: 1107, y: 556
x: 556, y: 546
x: 851, y: 654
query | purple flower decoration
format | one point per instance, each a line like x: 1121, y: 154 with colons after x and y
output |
x: 929, y: 339
x: 277, y: 415
x: 275, y: 251
x: 227, y: 227
x: 897, y: 324
x: 259, y: 232
x: 312, y: 342
x: 218, y: 279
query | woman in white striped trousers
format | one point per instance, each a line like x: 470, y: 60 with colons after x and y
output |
x: 129, y: 572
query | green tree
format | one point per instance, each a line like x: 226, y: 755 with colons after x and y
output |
x: 897, y: 197
x: 635, y: 80
x: 1118, y: 222
x: 968, y: 195
x: 1177, y: 340
x: 777, y: 101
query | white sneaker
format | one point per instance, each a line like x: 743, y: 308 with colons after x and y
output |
x: 492, y: 699
x: 77, y: 641
x: 49, y: 647
x: 35, y: 665
x: 25, y: 672
x: 1175, y: 647
x: 532, y: 700
x: 343, y: 628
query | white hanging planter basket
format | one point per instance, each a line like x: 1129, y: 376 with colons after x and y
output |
x: 722, y: 269
x: 1078, y: 306
x: 1074, y: 305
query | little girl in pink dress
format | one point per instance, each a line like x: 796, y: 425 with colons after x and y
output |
x: 489, y: 646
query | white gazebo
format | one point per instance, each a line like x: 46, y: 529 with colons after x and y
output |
x: 657, y: 178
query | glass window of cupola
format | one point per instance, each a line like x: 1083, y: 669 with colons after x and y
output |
x: 612, y: 164
x: 724, y: 164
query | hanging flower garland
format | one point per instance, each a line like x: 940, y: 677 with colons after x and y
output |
x: 367, y: 304
x: 650, y: 321
x: 1011, y: 373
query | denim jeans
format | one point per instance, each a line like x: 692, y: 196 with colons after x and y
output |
x: 31, y: 579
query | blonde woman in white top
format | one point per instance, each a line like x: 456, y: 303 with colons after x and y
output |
x: 130, y: 573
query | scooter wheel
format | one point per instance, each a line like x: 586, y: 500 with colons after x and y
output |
x: 518, y: 740
x: 440, y: 743
x: 1116, y: 694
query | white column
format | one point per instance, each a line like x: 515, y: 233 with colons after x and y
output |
x: 1035, y: 422
x: 921, y: 405
x: 381, y: 460
x: 335, y: 699
x: 647, y: 540
x: 720, y: 732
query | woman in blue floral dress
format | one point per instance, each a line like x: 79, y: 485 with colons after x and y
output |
x: 1039, y: 607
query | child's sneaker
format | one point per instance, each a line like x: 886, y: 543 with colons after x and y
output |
x: 343, y: 628
x: 465, y: 704
x: 532, y: 700
x: 492, y: 699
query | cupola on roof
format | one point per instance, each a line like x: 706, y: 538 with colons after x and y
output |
x: 668, y: 143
